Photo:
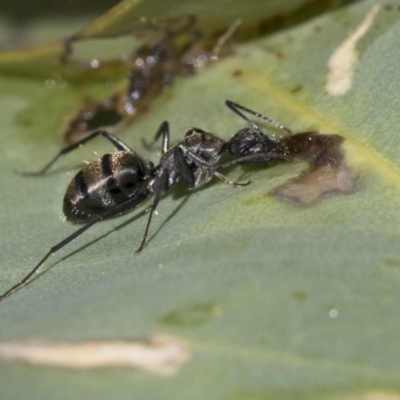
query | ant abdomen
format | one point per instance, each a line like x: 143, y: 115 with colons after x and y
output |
x: 104, y: 183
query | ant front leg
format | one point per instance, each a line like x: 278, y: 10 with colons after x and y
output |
x: 119, y: 144
x: 163, y: 131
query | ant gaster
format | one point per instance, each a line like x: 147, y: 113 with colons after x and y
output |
x: 121, y: 181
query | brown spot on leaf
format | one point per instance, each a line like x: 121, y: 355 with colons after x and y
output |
x: 328, y: 172
x: 297, y: 89
x: 195, y: 315
x: 237, y: 72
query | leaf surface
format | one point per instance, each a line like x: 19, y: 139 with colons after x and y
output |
x: 276, y: 301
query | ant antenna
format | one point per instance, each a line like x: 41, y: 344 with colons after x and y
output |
x: 234, y: 107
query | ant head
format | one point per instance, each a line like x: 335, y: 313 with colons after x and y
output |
x: 249, y: 141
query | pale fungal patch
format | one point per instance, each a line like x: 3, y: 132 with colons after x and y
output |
x: 318, y: 183
x: 160, y: 355
x: 342, y: 62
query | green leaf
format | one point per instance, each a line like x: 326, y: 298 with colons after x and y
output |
x: 275, y: 300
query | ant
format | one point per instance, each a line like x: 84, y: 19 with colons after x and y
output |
x: 174, y: 49
x: 118, y: 182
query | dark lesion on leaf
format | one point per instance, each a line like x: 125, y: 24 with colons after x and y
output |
x: 327, y: 174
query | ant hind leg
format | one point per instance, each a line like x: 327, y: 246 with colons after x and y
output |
x: 131, y: 203
x: 119, y: 144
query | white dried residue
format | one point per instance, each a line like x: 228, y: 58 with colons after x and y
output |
x: 342, y: 62
x: 160, y: 355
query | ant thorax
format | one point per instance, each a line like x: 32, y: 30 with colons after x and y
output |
x: 192, y: 160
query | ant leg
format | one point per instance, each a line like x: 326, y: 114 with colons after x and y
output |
x: 230, y: 182
x: 211, y: 167
x: 113, y: 139
x: 132, y: 202
x: 184, y: 169
x: 190, y: 131
x: 160, y: 183
x: 252, y: 159
x: 235, y: 108
x: 163, y: 131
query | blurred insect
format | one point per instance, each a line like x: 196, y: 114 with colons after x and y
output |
x: 121, y: 181
x: 173, y: 48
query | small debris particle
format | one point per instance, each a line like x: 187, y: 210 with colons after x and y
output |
x: 237, y: 72
x: 297, y: 89
x: 344, y: 59
x: 160, y: 355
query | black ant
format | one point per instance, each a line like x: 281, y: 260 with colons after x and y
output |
x: 121, y: 181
